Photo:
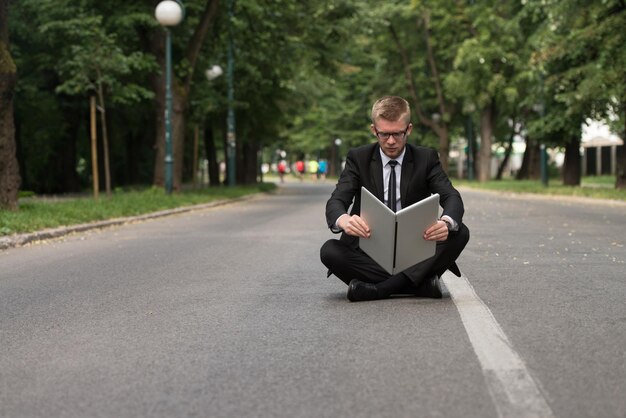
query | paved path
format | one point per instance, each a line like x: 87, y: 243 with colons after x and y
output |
x: 226, y: 312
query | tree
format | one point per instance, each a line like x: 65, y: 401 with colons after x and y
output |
x: 51, y: 124
x: 484, y: 67
x: 306, y: 73
x: 437, y: 36
x: 587, y: 65
x: 94, y: 64
x: 9, y: 169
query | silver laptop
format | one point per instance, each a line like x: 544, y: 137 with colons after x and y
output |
x: 397, y: 239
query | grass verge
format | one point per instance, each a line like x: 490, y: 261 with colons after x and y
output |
x: 35, y: 214
x: 600, y: 187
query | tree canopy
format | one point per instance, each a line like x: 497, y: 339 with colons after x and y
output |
x: 304, y: 74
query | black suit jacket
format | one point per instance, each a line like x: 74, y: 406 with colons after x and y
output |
x: 421, y: 176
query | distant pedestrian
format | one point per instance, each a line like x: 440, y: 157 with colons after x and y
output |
x: 300, y: 169
x: 282, y: 168
x: 313, y: 167
x: 323, y: 168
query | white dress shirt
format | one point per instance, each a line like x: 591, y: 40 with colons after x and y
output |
x: 387, y: 172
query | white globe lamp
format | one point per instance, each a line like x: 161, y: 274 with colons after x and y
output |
x: 169, y: 13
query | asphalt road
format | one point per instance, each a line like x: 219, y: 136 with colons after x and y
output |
x: 227, y: 312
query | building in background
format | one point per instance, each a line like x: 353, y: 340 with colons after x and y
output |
x: 601, y: 149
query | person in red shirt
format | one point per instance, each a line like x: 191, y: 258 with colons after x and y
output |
x: 300, y: 169
x: 282, y: 168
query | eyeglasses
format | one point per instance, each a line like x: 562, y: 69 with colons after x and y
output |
x: 396, y: 135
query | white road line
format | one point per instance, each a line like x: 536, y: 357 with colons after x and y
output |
x: 512, y: 388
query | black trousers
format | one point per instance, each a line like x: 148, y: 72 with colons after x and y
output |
x: 347, y: 262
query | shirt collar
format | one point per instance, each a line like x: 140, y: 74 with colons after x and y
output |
x: 385, y: 159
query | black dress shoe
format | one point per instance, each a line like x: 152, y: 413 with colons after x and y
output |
x: 431, y: 288
x: 437, y: 284
x: 360, y: 291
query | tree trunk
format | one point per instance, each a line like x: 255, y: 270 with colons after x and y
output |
x: 225, y: 148
x: 211, y: 156
x: 74, y: 118
x: 442, y: 132
x: 332, y: 169
x: 507, y: 154
x: 196, y: 157
x: 250, y: 164
x: 240, y: 158
x: 572, y: 165
x: 444, y: 146
x: 9, y: 168
x: 179, y: 105
x: 105, y: 140
x: 486, y: 132
x: 531, y: 168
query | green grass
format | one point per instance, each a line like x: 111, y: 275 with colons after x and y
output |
x: 600, y: 187
x: 599, y: 181
x: 40, y: 213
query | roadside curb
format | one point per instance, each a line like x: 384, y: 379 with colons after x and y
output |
x: 19, y: 240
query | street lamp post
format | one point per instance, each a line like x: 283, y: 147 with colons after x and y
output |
x: 543, y: 151
x: 543, y: 156
x: 231, y: 139
x: 470, y: 148
x: 338, y: 161
x: 469, y: 109
x: 543, y: 160
x: 168, y: 13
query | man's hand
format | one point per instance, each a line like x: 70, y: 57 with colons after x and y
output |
x: 354, y: 225
x: 437, y: 232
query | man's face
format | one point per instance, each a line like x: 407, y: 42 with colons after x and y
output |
x: 392, y: 136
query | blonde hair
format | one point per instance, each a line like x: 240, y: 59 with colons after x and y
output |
x: 391, y: 108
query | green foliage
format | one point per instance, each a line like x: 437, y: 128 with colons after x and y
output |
x: 488, y: 57
x: 585, y: 58
x: 293, y: 69
x: 307, y: 73
x: 57, y: 51
x: 94, y: 59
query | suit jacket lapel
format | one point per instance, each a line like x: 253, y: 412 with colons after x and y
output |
x: 376, y: 174
x: 407, y: 168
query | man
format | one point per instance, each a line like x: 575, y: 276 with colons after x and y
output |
x: 323, y: 168
x: 417, y: 173
x: 300, y: 169
x: 313, y: 167
x: 282, y: 168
